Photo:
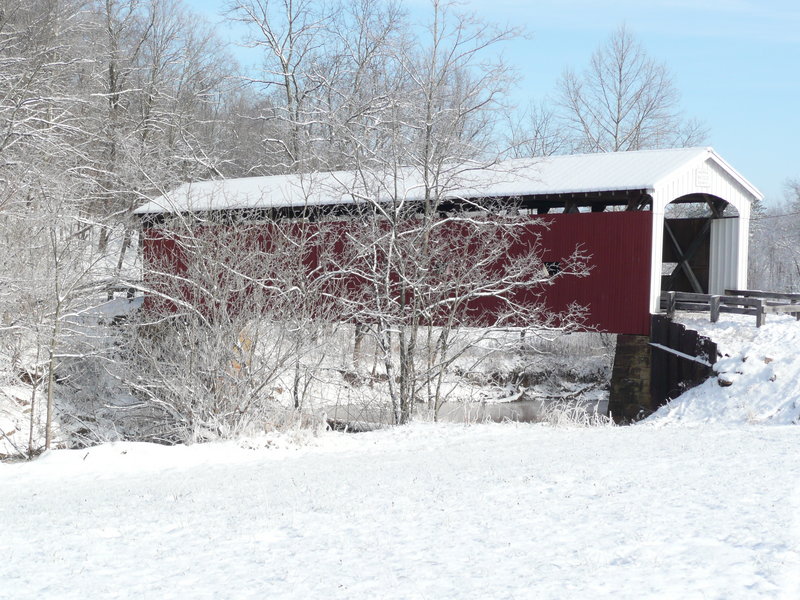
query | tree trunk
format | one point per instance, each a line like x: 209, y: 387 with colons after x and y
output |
x: 51, y: 380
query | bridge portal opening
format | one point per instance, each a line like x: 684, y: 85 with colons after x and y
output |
x: 700, y: 244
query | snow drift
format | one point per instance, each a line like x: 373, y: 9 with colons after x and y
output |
x: 757, y: 378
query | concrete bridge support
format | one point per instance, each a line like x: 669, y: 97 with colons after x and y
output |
x: 630, y: 398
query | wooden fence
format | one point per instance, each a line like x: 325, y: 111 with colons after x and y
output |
x: 681, y: 359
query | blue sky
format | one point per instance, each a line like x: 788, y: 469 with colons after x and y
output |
x: 736, y: 63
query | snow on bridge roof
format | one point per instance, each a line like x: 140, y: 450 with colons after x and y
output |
x: 569, y: 174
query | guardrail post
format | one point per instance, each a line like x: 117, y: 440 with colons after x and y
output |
x: 761, y: 314
x: 670, y: 304
x: 713, y: 303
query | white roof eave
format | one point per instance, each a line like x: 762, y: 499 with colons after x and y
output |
x: 753, y: 190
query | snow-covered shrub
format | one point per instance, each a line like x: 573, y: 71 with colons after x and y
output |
x: 575, y: 413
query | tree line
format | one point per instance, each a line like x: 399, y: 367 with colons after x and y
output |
x: 775, y: 243
x: 106, y: 103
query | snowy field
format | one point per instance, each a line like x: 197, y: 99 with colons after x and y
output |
x: 700, y: 501
x: 426, y: 511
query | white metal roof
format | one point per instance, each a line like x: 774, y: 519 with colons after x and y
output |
x: 618, y: 171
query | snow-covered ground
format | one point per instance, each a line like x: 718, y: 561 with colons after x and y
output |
x: 700, y: 501
x: 426, y: 511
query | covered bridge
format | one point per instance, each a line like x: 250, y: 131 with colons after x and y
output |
x: 651, y: 220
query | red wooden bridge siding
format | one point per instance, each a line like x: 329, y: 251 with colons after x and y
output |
x: 616, y: 291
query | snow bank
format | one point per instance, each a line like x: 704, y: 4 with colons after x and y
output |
x: 758, y: 376
x: 15, y: 417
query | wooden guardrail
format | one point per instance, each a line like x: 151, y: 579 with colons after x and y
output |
x: 791, y: 298
x: 744, y: 302
x: 681, y: 359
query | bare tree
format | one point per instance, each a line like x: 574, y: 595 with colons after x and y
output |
x: 624, y: 100
x: 291, y: 32
x: 792, y: 192
x: 241, y: 316
x: 99, y: 100
x: 44, y: 147
x: 156, y: 80
x: 430, y: 291
x: 774, y: 256
x: 362, y: 77
x: 538, y: 131
x: 427, y: 255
